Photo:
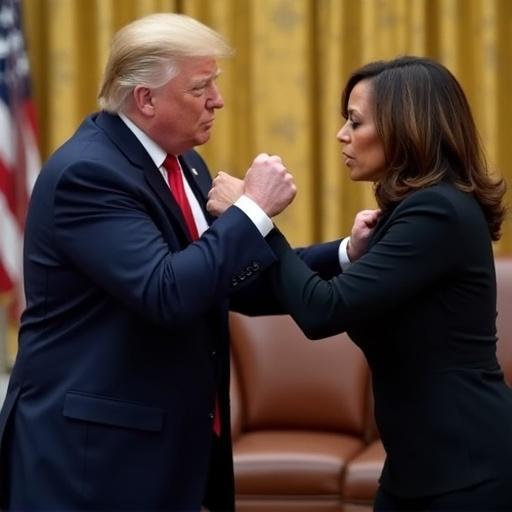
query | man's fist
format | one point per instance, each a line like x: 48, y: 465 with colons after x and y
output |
x: 269, y: 184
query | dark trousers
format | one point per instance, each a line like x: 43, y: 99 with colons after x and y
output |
x: 490, y: 496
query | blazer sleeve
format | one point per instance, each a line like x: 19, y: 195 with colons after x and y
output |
x: 420, y: 245
x: 260, y: 299
x: 103, y: 227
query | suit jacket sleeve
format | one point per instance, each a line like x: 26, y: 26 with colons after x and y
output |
x: 104, y: 228
x: 260, y: 299
x: 419, y: 246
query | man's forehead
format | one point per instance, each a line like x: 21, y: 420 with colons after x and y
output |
x: 212, y: 72
x: 196, y: 65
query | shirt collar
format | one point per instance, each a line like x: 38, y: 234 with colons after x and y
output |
x: 156, y: 153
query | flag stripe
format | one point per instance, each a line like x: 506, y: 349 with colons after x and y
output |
x: 10, y: 243
x: 7, y: 187
x: 19, y: 155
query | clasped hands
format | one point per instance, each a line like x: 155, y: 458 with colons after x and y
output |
x: 270, y: 185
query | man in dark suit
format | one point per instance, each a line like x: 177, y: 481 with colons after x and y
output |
x: 119, y: 396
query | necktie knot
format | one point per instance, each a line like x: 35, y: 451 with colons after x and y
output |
x: 171, y: 164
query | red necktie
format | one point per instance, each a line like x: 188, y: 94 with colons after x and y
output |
x: 178, y: 191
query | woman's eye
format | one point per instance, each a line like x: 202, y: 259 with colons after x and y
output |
x: 354, y: 124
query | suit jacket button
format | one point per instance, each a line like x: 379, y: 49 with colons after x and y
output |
x: 211, y: 415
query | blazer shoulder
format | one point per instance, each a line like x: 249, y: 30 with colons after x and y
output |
x: 443, y: 198
x: 458, y: 209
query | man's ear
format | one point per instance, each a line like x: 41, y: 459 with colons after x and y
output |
x: 143, y: 100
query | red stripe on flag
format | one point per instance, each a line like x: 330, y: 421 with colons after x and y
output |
x: 7, y: 187
x: 5, y: 282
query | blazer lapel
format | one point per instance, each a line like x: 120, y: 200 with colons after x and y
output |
x: 199, y: 180
x: 129, y: 145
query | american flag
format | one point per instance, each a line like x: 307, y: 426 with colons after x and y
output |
x: 19, y: 155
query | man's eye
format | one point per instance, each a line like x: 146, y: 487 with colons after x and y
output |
x: 198, y: 89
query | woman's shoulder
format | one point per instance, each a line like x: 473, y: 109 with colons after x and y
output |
x: 445, y: 200
x: 441, y: 195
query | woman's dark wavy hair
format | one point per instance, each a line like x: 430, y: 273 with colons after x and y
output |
x: 425, y: 123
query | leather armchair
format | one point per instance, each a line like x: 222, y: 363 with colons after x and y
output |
x: 301, y: 412
x: 303, y: 428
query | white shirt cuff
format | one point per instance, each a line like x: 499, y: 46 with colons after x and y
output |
x: 259, y: 218
x: 343, y: 254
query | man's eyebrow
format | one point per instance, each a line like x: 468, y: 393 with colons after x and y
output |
x: 206, y: 79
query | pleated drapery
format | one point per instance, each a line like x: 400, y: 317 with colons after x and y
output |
x: 282, y: 89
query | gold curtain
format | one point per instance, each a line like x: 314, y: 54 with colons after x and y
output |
x: 282, y: 89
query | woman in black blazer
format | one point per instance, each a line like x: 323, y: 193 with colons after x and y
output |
x: 420, y: 300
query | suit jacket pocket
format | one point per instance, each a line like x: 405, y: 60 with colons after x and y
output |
x: 109, y: 411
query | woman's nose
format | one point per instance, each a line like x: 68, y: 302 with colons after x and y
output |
x: 342, y: 134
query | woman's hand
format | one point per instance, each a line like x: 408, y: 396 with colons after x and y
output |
x: 363, y: 227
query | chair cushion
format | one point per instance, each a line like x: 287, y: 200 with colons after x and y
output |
x: 362, y: 473
x: 292, y: 462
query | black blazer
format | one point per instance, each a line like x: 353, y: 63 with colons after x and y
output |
x: 124, y: 342
x: 421, y: 304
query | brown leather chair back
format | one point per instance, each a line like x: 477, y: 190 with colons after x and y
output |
x: 290, y: 382
x: 504, y: 319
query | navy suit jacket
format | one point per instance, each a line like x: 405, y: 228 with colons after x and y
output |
x: 123, y: 345
x: 421, y: 304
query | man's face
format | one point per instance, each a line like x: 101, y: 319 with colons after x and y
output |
x: 184, y: 108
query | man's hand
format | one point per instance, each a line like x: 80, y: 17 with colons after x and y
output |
x: 363, y: 227
x: 226, y: 189
x: 269, y: 184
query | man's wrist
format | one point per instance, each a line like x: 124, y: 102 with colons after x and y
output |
x: 258, y: 217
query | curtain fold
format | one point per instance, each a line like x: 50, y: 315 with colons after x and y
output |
x: 282, y: 88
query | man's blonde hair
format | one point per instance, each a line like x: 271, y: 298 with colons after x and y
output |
x: 147, y: 52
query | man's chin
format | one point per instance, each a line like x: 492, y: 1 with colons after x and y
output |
x: 203, y: 138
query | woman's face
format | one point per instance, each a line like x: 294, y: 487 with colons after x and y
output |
x: 363, y: 150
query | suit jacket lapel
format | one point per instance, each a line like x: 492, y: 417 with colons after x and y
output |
x: 199, y: 180
x: 129, y: 145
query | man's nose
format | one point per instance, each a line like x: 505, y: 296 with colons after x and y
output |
x: 215, y: 100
